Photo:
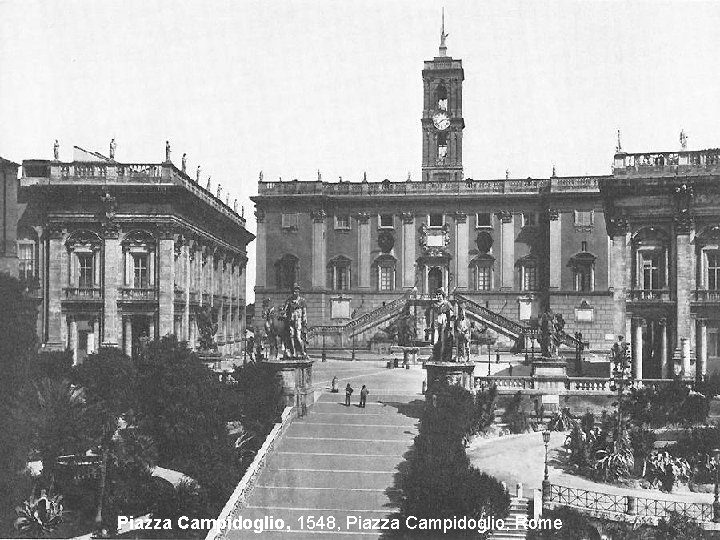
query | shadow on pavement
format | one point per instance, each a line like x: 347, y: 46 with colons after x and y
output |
x: 412, y: 409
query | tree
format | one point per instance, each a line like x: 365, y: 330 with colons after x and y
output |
x: 514, y: 415
x: 18, y: 319
x: 108, y: 378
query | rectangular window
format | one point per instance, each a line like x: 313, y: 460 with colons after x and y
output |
x: 529, y: 282
x: 386, y: 280
x: 583, y: 279
x: 483, y: 219
x: 342, y: 222
x: 85, y: 270
x: 289, y: 221
x: 713, y: 260
x: 528, y: 219
x: 583, y: 218
x: 436, y: 220
x: 386, y: 221
x: 140, y: 271
x: 651, y: 272
x: 26, y: 256
x: 482, y: 278
x: 342, y: 278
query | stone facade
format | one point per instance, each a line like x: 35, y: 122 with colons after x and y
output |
x: 8, y: 217
x: 662, y: 213
x: 125, y: 251
x: 513, y: 246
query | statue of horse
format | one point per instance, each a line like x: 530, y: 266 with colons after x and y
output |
x: 276, y: 329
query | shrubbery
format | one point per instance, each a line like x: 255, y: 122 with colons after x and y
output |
x: 439, y: 481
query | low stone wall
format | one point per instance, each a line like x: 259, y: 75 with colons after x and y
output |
x: 239, y: 497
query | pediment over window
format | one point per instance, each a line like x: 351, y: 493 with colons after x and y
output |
x: 138, y: 237
x: 581, y: 259
x: 650, y: 236
x: 385, y: 260
x: 483, y: 259
x: 529, y: 261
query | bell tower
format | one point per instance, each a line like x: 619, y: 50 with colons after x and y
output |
x: 442, y: 120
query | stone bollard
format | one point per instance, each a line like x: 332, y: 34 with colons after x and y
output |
x: 424, y: 387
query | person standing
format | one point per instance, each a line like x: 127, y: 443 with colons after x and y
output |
x: 334, y: 387
x: 363, y: 395
x: 348, y: 393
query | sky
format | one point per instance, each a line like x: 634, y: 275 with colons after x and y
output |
x: 292, y: 87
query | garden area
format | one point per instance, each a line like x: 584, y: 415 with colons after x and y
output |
x: 83, y: 444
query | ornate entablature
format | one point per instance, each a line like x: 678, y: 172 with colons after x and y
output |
x: 434, y: 241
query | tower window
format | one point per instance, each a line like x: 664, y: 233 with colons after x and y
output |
x: 342, y: 222
x: 583, y: 246
x: 442, y: 98
x: 528, y: 219
x: 442, y: 148
x: 289, y: 221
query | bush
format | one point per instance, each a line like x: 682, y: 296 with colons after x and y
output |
x: 514, y: 415
x: 575, y: 526
x: 485, y: 404
x: 562, y: 420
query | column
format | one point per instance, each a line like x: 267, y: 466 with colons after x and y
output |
x: 73, y: 337
x: 408, y: 260
x: 41, y: 320
x: 363, y: 220
x: 111, y: 260
x: 507, y: 232
x: 666, y: 370
x: 318, y: 249
x: 166, y: 282
x: 701, y: 350
x: 555, y: 251
x: 637, y: 349
x: 621, y: 263
x: 260, y: 250
x: 185, y: 255
x: 685, y: 284
x: 462, y: 235
x: 127, y: 343
x: 55, y: 319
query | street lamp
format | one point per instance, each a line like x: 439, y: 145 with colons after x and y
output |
x: 716, y: 502
x: 488, y: 346
x: 324, y: 354
x: 352, y: 358
x: 546, y: 479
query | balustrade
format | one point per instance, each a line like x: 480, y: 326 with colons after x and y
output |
x: 83, y: 293
x: 138, y: 293
x: 707, y: 296
x: 662, y: 295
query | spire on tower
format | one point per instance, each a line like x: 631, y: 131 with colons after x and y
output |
x: 443, y: 36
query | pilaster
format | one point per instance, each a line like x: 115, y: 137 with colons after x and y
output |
x: 166, y: 282
x: 318, y: 249
x: 507, y: 232
x: 260, y: 250
x: 555, y: 249
x: 363, y: 220
x: 462, y: 235
x: 408, y: 263
x: 111, y: 265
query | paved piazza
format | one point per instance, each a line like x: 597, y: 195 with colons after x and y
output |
x: 340, y: 461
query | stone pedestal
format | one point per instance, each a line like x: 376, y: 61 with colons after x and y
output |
x: 296, y: 374
x: 454, y: 373
x: 550, y: 377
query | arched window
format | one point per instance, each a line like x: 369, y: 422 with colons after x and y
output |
x: 527, y: 267
x: 286, y: 271
x: 583, y: 267
x: 84, y: 250
x: 442, y: 148
x: 481, y: 272
x: 385, y: 272
x: 339, y: 273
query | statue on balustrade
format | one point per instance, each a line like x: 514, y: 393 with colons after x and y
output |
x: 440, y: 319
x: 113, y: 146
x: 551, y: 329
x: 207, y: 324
x: 56, y: 150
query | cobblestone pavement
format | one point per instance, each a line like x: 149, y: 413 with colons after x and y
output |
x: 340, y: 462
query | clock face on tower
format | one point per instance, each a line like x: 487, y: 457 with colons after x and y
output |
x: 441, y: 120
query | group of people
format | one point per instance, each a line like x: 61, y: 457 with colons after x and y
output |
x: 349, y: 392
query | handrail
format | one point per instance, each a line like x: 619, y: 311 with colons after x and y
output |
x: 503, y: 322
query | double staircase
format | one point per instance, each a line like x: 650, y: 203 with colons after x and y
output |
x: 498, y: 323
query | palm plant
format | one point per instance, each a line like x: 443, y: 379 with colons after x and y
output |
x: 616, y: 460
x: 667, y: 470
x: 38, y: 517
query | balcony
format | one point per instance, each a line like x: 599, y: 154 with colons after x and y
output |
x: 649, y: 295
x: 138, y: 294
x: 83, y: 294
x: 707, y: 296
